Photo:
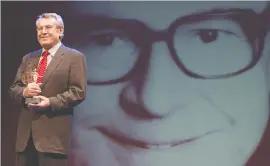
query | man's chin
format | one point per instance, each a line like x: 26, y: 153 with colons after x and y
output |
x: 46, y: 45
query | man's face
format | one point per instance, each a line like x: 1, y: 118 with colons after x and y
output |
x: 158, y: 114
x: 48, y: 32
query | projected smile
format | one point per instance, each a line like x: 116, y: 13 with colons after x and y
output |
x: 124, y: 140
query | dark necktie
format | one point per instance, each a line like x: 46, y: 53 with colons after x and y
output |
x: 42, y: 66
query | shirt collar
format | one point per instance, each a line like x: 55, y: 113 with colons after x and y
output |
x: 53, y: 50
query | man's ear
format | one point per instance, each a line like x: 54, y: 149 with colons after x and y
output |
x: 266, y: 53
x: 265, y: 59
x: 61, y: 29
x: 267, y: 74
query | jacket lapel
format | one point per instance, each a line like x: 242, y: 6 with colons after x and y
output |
x: 53, y: 64
x: 35, y: 59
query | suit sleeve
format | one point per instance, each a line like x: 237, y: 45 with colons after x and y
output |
x: 17, y: 87
x: 77, y: 85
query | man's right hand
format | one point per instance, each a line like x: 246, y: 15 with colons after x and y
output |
x: 32, y: 89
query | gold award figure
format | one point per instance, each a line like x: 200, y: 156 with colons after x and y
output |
x: 29, y: 76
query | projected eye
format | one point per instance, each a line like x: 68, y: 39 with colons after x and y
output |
x: 211, y: 52
x: 103, y: 39
x: 110, y: 54
x: 106, y: 38
x: 209, y: 35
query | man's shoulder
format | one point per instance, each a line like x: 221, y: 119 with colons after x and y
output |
x: 35, y: 52
x: 73, y: 51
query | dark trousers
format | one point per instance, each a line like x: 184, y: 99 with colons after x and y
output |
x: 31, y: 157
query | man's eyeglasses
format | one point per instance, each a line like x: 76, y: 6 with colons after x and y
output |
x: 47, y: 28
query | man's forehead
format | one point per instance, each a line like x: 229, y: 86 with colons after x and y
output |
x: 161, y: 11
x: 136, y: 9
x: 116, y: 6
x: 46, y: 21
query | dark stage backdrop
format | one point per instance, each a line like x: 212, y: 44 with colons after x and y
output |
x: 18, y: 36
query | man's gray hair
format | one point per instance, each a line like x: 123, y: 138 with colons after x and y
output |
x: 55, y: 16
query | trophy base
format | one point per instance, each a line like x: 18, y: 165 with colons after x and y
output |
x: 31, y: 100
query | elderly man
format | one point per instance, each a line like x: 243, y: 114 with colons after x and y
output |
x: 44, y: 126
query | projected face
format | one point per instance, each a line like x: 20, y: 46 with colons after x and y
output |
x: 170, y: 83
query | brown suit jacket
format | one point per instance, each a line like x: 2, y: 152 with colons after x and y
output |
x: 64, y: 83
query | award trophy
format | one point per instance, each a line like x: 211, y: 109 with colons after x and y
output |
x: 30, y: 76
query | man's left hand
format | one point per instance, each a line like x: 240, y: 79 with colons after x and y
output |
x: 44, y: 103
